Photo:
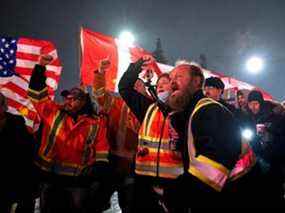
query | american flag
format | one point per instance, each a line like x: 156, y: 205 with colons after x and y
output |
x: 18, y: 57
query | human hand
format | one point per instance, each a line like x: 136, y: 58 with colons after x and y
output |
x: 104, y: 65
x: 45, y: 60
x: 148, y: 75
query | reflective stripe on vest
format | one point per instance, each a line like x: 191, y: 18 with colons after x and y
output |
x: 58, y: 167
x: 43, y: 163
x: 102, y: 156
x: 208, y: 171
x: 66, y: 169
x: 91, y: 137
x: 164, y: 171
x: 154, y: 136
x: 55, y: 128
x: 38, y: 96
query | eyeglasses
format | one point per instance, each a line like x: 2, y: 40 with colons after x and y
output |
x: 70, y: 98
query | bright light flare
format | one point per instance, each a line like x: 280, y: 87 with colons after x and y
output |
x: 127, y: 38
x: 254, y: 65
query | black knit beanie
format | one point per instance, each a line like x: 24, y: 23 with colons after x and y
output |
x: 255, y: 96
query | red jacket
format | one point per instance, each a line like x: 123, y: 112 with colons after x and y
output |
x: 67, y: 146
x: 122, y: 125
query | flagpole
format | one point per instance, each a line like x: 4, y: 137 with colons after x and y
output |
x: 79, y: 49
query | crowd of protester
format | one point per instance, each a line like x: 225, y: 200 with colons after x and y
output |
x: 169, y: 147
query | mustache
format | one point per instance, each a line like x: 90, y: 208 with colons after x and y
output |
x: 179, y: 101
x: 174, y: 87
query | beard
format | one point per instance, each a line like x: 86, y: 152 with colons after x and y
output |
x: 179, y: 99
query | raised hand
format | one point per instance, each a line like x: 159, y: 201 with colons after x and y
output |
x: 104, y: 65
x: 45, y: 60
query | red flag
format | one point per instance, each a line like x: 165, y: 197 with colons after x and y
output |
x: 96, y: 46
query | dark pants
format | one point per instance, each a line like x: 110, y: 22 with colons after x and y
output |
x: 196, y: 195
x: 258, y: 189
x: 6, y: 201
x: 22, y: 195
x: 20, y: 187
x: 123, y: 181
x: 84, y: 194
x: 147, y: 199
x: 248, y: 191
x: 55, y: 198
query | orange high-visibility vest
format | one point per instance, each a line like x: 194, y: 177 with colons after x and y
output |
x: 161, y: 159
x: 122, y: 125
x: 122, y: 128
x: 67, y: 147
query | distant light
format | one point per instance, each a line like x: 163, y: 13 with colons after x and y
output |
x: 254, y: 65
x: 127, y: 38
x: 247, y: 134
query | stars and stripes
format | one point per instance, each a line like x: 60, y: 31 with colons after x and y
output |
x: 7, y: 56
x: 18, y: 57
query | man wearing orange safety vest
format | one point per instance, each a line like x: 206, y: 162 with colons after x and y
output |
x: 122, y: 132
x: 158, y: 159
x: 73, y: 140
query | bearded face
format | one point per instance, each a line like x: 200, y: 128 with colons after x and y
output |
x: 254, y: 107
x: 182, y: 86
x: 180, y: 99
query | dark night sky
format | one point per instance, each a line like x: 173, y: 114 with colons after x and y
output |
x: 227, y: 31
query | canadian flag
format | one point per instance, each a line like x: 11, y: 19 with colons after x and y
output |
x: 96, y: 46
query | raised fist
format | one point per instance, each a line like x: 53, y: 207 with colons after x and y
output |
x: 148, y: 59
x: 104, y: 65
x: 148, y: 75
x: 45, y: 60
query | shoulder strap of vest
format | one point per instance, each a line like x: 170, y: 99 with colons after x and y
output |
x: 201, y: 103
x: 204, y: 102
x: 207, y: 170
x: 148, y: 116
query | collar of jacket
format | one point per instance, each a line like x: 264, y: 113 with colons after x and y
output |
x: 164, y: 108
x: 265, y: 113
x: 197, y: 96
x: 78, y: 117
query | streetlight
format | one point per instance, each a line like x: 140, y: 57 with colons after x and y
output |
x: 127, y: 38
x: 254, y: 64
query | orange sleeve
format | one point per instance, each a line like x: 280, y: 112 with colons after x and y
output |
x: 99, y: 85
x: 100, y: 145
x: 44, y: 106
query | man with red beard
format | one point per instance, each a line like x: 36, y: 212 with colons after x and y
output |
x: 210, y: 137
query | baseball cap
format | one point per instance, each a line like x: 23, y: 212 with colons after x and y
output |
x: 75, y: 92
